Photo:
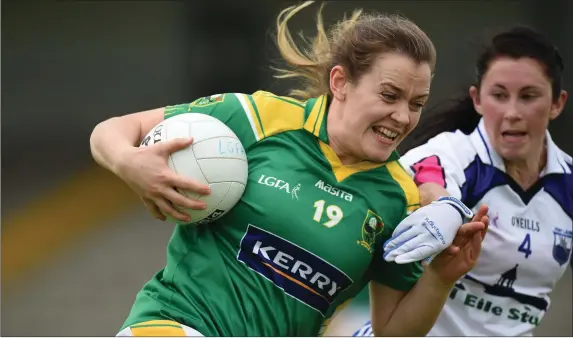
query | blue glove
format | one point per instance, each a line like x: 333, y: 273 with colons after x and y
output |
x: 427, y: 231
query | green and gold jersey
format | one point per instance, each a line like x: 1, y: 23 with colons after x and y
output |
x: 305, y: 237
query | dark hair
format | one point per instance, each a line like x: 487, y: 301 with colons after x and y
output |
x: 459, y: 113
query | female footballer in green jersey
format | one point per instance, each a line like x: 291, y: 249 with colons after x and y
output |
x: 325, y: 193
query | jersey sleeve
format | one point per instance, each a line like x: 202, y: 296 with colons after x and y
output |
x: 251, y: 117
x: 229, y: 108
x: 397, y: 276
x: 401, y: 277
x: 441, y: 160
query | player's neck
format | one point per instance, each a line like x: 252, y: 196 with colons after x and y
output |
x: 339, y: 151
x: 335, y: 133
x: 526, y: 172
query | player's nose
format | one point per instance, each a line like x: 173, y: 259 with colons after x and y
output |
x: 401, y: 115
x: 512, y: 112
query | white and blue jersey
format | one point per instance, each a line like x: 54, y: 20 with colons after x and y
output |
x: 528, y: 245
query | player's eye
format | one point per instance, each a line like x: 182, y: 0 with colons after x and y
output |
x: 389, y: 97
x: 528, y: 96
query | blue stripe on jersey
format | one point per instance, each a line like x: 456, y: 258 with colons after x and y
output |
x: 481, y: 178
x: 364, y: 331
x: 560, y: 187
x: 485, y: 144
x: 296, y: 271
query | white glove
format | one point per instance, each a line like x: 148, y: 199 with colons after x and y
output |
x: 427, y: 231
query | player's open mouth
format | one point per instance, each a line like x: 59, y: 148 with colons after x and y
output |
x: 513, y: 136
x: 385, y: 133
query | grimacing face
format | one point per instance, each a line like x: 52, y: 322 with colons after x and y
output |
x: 381, y: 109
x: 515, y: 100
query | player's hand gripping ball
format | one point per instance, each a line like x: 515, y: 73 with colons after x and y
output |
x: 215, y: 158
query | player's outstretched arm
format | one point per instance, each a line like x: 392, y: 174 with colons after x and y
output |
x: 114, y: 145
x: 113, y: 137
x: 413, y: 313
x: 430, y: 192
x: 430, y: 229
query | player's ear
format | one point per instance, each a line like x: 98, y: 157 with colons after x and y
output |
x: 558, y: 105
x: 338, y: 83
x: 474, y: 93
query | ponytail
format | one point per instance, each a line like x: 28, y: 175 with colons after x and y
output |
x: 313, y: 64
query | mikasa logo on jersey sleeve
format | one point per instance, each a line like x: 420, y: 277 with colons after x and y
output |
x: 298, y: 272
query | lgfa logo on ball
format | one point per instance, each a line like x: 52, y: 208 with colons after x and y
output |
x: 202, y: 162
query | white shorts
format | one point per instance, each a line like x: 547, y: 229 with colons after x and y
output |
x: 159, y: 328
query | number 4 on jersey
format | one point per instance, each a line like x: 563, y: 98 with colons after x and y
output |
x: 525, y: 246
x: 333, y: 212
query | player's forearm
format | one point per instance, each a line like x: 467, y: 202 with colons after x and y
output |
x: 417, y: 312
x: 430, y: 192
x: 111, y: 138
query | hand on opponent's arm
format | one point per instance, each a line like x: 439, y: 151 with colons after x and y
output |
x: 397, y: 313
x: 427, y: 231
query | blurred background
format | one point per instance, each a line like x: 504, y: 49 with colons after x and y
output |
x: 76, y: 243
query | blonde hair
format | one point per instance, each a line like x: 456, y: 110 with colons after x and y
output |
x: 353, y: 43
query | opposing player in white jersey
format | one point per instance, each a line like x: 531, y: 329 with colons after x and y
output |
x: 510, y: 163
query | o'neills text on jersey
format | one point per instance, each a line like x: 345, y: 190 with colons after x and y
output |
x: 333, y: 191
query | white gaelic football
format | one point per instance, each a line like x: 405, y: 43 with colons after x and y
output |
x: 216, y: 158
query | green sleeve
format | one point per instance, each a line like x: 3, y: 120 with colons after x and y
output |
x: 401, y: 277
x: 228, y: 108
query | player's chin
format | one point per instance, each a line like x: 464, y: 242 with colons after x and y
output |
x: 379, y: 153
x: 378, y: 148
x: 516, y: 154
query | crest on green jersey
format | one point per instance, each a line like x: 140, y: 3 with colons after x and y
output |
x: 371, y: 228
x: 208, y: 100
